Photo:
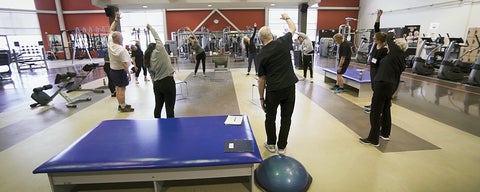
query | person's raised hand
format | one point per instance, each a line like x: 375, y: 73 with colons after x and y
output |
x: 117, y: 15
x: 379, y: 12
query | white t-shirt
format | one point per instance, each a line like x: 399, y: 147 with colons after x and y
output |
x: 117, y: 54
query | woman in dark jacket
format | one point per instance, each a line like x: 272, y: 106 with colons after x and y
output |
x: 385, y: 83
x: 377, y: 52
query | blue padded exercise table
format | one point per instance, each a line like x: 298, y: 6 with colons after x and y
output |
x: 118, y: 151
x: 352, y: 78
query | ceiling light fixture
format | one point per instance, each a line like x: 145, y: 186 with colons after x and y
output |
x: 273, y: 4
x: 209, y: 5
x: 145, y: 6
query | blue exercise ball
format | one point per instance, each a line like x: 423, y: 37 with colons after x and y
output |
x: 282, y: 173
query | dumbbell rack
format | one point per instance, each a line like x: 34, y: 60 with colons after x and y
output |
x: 29, y: 58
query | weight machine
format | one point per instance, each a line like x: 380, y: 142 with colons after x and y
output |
x: 455, y: 69
x: 362, y: 50
x: 79, y: 40
x: 182, y: 36
x: 225, y: 41
x: 136, y: 34
x: 426, y: 66
x: 80, y: 47
x: 346, y: 29
x: 77, y: 85
x: 63, y: 81
x: 5, y: 60
x: 474, y: 76
x: 447, y: 70
x: 234, y: 42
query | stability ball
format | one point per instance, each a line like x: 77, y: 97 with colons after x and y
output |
x: 282, y: 173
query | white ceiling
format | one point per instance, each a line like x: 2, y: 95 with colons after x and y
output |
x: 202, y: 4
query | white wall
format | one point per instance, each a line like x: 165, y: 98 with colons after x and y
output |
x: 452, y: 16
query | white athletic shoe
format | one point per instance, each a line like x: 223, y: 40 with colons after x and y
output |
x: 270, y: 148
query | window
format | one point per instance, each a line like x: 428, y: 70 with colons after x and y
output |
x: 134, y: 26
x: 18, y: 4
x: 279, y: 27
x: 19, y: 26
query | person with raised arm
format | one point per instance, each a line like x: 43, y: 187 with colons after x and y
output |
x: 377, y: 52
x: 251, y: 50
x: 161, y: 72
x: 385, y: 84
x: 198, y: 51
x: 276, y: 83
x: 119, y: 63
x: 307, y: 52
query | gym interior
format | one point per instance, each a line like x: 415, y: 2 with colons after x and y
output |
x: 53, y: 88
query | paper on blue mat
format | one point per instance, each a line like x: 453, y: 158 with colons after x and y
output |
x: 233, y: 120
x: 238, y: 146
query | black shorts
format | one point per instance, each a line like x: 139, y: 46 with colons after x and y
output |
x: 344, y: 68
x: 119, y: 77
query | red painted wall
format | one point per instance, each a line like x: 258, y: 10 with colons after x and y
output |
x: 327, y: 19
x: 69, y: 5
x: 336, y: 3
x: 87, y: 21
x: 332, y: 19
x: 178, y: 19
x: 48, y: 25
x: 45, y: 4
x: 49, y: 22
x: 243, y: 18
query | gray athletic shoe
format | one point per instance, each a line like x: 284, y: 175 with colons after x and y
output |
x: 127, y: 108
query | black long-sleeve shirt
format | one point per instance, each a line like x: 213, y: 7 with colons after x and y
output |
x: 376, y: 54
x: 276, y: 64
x: 392, y: 65
x: 251, y: 48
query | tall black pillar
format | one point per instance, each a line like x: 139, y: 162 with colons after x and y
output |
x: 302, y: 17
x: 110, y: 12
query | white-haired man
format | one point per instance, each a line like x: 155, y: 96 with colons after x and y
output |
x: 277, y: 77
x: 119, y: 62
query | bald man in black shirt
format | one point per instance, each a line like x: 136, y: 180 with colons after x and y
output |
x: 277, y: 76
